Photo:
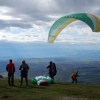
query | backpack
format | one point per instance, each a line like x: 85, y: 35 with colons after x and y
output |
x: 24, y: 69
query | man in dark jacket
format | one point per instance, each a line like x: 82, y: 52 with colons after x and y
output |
x: 52, y: 70
x: 24, y: 72
x: 11, y: 69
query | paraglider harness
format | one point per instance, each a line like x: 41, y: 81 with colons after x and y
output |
x: 24, y: 70
x: 52, y: 70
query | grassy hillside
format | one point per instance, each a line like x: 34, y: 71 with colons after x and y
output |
x: 57, y: 91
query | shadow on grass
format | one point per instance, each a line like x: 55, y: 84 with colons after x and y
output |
x: 30, y: 87
x: 5, y: 97
x: 63, y: 83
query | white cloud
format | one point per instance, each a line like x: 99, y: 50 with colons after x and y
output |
x: 30, y: 20
x: 38, y: 35
x: 23, y: 35
x: 4, y: 14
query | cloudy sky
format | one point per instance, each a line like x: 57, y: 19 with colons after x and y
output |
x: 25, y: 24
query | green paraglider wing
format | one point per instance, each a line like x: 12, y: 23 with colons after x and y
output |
x: 91, y: 20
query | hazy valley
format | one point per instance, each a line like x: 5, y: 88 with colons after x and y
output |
x: 89, y: 70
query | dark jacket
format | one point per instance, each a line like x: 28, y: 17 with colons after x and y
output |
x: 24, y: 69
x: 52, y: 69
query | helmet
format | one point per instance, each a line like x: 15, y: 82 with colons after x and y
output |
x: 23, y: 61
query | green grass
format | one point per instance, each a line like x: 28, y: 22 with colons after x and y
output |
x: 57, y: 91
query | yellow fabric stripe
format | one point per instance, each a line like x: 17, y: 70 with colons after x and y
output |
x: 58, y: 30
x: 97, y: 28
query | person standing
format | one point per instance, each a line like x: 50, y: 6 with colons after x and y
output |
x: 52, y: 69
x: 74, y: 76
x: 10, y: 67
x: 24, y: 71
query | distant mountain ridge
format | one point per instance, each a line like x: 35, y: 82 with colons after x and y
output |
x: 71, y: 54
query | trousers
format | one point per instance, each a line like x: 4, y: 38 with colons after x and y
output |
x: 11, y: 78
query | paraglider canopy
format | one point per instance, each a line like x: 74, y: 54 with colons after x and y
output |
x: 44, y: 79
x: 91, y: 20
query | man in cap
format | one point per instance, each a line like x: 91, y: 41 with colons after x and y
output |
x: 10, y: 67
x: 24, y: 71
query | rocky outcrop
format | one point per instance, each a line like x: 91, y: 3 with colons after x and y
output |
x: 1, y: 76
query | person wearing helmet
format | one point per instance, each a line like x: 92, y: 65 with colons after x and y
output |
x: 10, y: 67
x: 24, y: 71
